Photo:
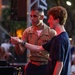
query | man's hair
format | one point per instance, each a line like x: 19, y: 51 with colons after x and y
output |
x: 39, y: 9
x: 58, y: 12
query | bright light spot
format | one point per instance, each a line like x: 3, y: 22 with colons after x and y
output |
x: 68, y: 3
x: 70, y: 39
x: 19, y: 33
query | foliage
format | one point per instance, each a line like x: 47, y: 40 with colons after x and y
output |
x: 8, y: 24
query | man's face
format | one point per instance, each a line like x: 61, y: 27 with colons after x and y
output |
x: 35, y: 17
x: 52, y: 22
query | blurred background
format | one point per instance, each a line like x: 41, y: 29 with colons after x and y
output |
x: 14, y: 14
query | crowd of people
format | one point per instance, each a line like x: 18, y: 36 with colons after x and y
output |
x: 10, y: 52
x: 72, y: 56
x: 50, y: 47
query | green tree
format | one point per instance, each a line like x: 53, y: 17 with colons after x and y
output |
x: 10, y: 24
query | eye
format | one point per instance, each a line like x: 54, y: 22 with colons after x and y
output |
x: 33, y: 16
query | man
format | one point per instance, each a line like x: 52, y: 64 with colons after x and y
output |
x: 37, y: 34
x: 59, y: 46
x: 6, y: 45
x: 2, y: 52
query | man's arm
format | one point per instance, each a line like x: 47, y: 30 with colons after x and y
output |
x: 27, y: 45
x: 34, y: 47
x: 58, y: 68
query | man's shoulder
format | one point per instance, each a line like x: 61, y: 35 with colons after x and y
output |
x: 51, y: 31
x: 28, y: 29
x: 47, y: 27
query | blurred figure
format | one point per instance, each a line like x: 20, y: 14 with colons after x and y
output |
x: 73, y: 66
x: 2, y: 53
x: 4, y: 56
x: 7, y: 44
x: 17, y: 55
x: 72, y: 57
x: 72, y: 45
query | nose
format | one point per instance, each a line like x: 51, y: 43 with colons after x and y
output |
x: 31, y: 18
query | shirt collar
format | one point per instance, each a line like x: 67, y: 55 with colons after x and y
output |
x: 44, y: 31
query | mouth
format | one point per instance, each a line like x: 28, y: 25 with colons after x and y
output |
x: 33, y: 23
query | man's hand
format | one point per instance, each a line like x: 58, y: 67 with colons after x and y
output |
x: 16, y: 40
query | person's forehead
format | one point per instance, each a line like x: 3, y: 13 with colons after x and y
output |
x: 34, y: 12
x: 50, y: 16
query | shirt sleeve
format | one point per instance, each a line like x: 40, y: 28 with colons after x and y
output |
x: 59, y: 51
x: 47, y: 45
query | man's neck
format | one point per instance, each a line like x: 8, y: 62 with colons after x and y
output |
x: 39, y: 27
x: 59, y: 29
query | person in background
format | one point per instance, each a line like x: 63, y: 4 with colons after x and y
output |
x: 38, y: 34
x: 6, y: 45
x: 73, y: 64
x: 72, y: 57
x: 72, y: 45
x: 18, y: 57
x: 59, y: 46
x: 2, y: 53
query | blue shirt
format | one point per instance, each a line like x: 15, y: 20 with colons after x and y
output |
x: 59, y: 48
